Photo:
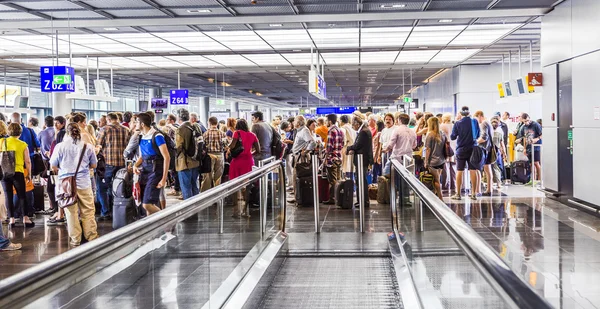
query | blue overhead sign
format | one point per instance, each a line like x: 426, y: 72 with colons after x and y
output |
x: 179, y: 97
x: 52, y: 79
x: 335, y: 110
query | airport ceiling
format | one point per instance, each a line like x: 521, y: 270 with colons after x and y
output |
x: 372, y: 49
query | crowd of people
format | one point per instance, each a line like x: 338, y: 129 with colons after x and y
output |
x: 77, y: 160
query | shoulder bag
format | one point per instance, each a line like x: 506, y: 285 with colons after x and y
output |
x: 66, y: 191
x: 7, y: 162
x: 239, y: 147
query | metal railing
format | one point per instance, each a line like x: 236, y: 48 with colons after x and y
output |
x: 72, y: 266
x: 511, y: 288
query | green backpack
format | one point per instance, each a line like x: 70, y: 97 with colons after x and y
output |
x: 427, y: 179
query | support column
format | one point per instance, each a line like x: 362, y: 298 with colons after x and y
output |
x: 235, y: 109
x: 61, y: 106
x: 268, y: 115
x: 204, y: 108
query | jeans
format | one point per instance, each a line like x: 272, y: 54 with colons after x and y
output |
x: 377, y: 170
x: 18, y: 181
x: 105, y: 189
x: 189, y: 182
x: 4, y: 242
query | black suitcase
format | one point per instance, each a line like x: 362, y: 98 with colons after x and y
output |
x: 344, y: 193
x: 254, y: 194
x: 124, y: 212
x: 38, y: 197
x: 520, y: 172
x: 304, y: 191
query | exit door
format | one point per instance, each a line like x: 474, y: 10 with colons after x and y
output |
x: 565, y: 124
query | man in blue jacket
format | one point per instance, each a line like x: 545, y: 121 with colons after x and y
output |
x: 465, y: 132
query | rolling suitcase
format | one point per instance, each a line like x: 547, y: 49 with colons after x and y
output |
x: 344, y: 193
x: 124, y: 211
x: 323, y: 189
x: 520, y: 172
x: 304, y: 191
x: 38, y: 197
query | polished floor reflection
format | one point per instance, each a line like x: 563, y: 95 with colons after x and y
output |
x: 552, y: 247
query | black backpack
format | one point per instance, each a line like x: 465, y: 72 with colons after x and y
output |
x: 276, y: 145
x: 122, y: 185
x: 168, y: 141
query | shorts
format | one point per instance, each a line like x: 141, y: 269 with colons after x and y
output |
x: 536, y: 155
x: 463, y: 161
x: 150, y: 177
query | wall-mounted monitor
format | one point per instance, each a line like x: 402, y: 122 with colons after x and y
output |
x: 159, y: 103
x: 23, y: 102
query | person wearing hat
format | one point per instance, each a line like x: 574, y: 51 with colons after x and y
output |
x: 465, y: 132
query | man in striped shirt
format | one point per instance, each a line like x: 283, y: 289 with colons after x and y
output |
x: 215, y: 144
x: 333, y: 155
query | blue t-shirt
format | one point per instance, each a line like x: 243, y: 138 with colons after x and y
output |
x: 29, y: 137
x: 146, y: 148
x: 465, y: 132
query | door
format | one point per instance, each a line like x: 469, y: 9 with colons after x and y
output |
x: 565, y: 127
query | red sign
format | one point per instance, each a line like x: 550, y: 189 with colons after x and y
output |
x: 535, y: 79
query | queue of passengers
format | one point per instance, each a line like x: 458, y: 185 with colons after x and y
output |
x: 164, y: 157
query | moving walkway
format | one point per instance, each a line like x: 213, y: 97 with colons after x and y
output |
x: 192, y: 255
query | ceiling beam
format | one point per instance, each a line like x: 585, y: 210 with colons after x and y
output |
x: 26, y: 10
x: 158, y: 7
x: 303, y: 18
x: 93, y: 9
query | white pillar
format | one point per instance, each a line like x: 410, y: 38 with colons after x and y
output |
x: 204, y: 109
x: 268, y: 115
x: 235, y: 109
x: 61, y: 106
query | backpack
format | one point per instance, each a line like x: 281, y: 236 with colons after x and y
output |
x: 168, y: 141
x: 276, y: 145
x: 122, y: 185
x: 195, y: 148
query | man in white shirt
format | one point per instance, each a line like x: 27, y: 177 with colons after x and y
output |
x: 386, y: 136
x: 349, y: 138
x: 402, y: 142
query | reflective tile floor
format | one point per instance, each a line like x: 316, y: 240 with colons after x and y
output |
x: 553, y: 247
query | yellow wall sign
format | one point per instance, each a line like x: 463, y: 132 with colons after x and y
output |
x: 530, y: 89
x: 501, y: 90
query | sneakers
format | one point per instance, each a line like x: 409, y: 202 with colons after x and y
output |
x: 473, y: 197
x: 54, y: 221
x: 529, y: 184
x: 105, y: 218
x: 12, y: 247
x: 456, y: 197
x: 48, y: 212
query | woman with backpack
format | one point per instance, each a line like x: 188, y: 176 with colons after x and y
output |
x: 21, y: 162
x: 74, y: 158
x: 240, y: 150
x: 435, y: 160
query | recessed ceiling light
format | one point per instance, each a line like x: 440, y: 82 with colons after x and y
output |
x: 389, y: 6
x: 199, y: 11
x: 275, y: 25
x: 111, y: 29
x: 445, y: 20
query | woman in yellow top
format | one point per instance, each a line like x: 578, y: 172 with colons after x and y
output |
x: 22, y: 162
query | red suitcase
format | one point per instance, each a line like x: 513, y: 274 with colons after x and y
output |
x: 323, y: 189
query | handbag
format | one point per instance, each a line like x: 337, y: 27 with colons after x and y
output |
x: 66, y: 191
x: 448, y: 151
x: 239, y: 147
x: 477, y: 157
x: 303, y: 164
x: 37, y: 161
x: 7, y: 162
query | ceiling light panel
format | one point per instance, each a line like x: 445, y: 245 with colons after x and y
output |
x: 286, y: 39
x: 483, y: 34
x: 340, y: 58
x: 414, y: 56
x: 454, y: 55
x: 195, y: 61
x: 267, y: 59
x: 231, y: 60
x: 378, y: 57
x: 239, y: 40
x: 299, y: 59
x: 331, y: 38
x: 192, y: 41
x: 384, y: 37
x: 433, y: 35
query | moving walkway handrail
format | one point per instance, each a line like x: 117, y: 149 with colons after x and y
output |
x: 514, y: 290
x: 35, y: 282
